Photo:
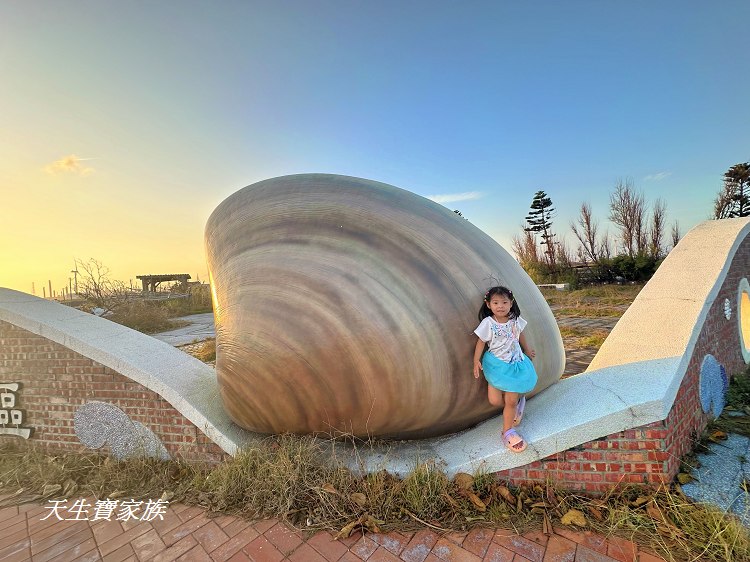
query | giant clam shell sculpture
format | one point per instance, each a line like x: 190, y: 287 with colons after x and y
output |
x: 348, y: 305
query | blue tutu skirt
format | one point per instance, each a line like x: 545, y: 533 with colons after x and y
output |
x: 509, y: 377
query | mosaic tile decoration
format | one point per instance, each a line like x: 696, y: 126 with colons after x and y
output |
x: 98, y: 424
x: 713, y: 385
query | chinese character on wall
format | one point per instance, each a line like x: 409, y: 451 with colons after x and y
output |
x: 10, y: 417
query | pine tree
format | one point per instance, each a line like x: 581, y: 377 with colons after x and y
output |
x: 539, y: 220
x: 734, y: 198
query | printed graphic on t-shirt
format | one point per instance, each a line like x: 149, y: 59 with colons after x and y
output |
x: 502, y: 338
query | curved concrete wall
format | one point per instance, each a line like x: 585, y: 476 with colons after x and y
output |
x: 185, y: 382
x: 668, y: 314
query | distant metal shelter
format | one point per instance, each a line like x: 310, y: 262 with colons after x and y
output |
x: 151, y: 282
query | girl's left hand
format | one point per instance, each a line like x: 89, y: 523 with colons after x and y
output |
x: 529, y: 351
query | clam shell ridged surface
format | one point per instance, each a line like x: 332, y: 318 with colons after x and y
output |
x: 348, y: 305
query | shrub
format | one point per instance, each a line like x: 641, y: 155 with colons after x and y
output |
x: 148, y: 317
x: 198, y: 301
x: 634, y: 268
x: 207, y: 351
x: 738, y: 393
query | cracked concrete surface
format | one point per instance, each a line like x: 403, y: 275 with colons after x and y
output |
x: 201, y: 327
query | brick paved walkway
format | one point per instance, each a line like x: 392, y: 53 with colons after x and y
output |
x: 187, y: 533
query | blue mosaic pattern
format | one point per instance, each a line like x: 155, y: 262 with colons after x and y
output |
x: 713, y: 385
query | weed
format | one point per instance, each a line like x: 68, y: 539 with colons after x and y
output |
x: 738, y: 393
x: 198, y: 301
x: 207, y: 351
x: 591, y: 311
x: 294, y: 479
x: 736, y: 416
x: 595, y: 339
x: 148, y: 317
x: 422, y: 491
x: 577, y: 338
x: 41, y: 475
x: 606, y: 295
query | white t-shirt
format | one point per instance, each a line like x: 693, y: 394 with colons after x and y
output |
x: 503, y: 338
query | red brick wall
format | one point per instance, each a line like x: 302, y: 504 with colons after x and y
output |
x: 651, y: 454
x: 55, y: 381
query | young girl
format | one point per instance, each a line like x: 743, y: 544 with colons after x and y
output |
x: 508, y: 371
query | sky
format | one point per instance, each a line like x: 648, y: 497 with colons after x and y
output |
x: 124, y: 124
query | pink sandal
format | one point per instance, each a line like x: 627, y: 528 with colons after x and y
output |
x: 519, y: 411
x: 513, y: 441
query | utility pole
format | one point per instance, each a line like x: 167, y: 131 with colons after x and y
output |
x: 75, y: 278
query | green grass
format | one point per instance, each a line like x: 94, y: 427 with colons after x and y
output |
x: 738, y: 393
x: 595, y: 339
x: 579, y: 338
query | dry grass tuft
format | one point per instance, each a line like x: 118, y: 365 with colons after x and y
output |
x: 601, y: 301
x: 207, y: 351
x: 298, y: 480
x: 736, y: 416
x: 149, y: 317
x: 578, y: 338
x: 35, y: 475
x: 675, y: 527
x: 591, y: 311
x: 609, y: 295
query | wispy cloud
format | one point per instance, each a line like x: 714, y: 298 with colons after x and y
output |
x: 71, y: 164
x: 450, y: 197
x: 657, y: 177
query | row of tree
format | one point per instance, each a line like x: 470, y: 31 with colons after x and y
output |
x: 633, y: 252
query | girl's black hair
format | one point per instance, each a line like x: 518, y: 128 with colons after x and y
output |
x: 484, y: 312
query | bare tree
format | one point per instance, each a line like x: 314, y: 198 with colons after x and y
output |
x: 97, y: 288
x: 563, y: 254
x: 675, y: 233
x: 658, y: 223
x: 724, y: 202
x: 628, y: 211
x: 525, y: 248
x: 586, y: 232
